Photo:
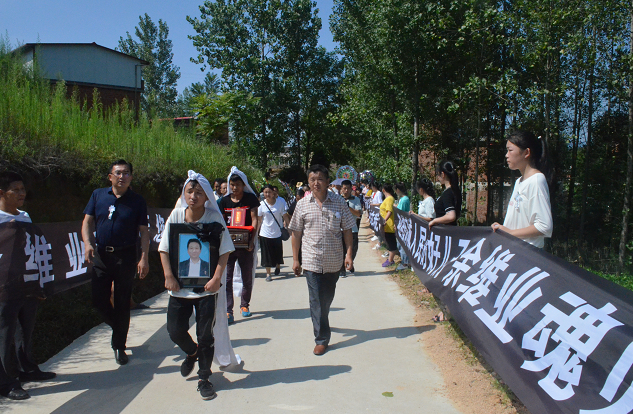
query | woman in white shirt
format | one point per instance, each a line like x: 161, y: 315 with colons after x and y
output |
x: 426, y: 206
x: 529, y: 215
x: 274, y: 216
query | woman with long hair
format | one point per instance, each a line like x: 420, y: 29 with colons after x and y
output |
x: 426, y: 206
x: 274, y: 215
x: 449, y: 205
x: 529, y: 214
x: 386, y: 212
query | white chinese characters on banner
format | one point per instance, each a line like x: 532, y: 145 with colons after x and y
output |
x: 514, y: 297
x: 577, y: 335
x: 76, y: 256
x: 160, y: 228
x: 39, y: 258
x: 615, y: 379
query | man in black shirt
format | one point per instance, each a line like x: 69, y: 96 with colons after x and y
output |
x: 118, y: 214
x: 245, y: 257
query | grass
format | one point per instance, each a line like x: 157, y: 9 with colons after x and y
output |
x: 36, y: 120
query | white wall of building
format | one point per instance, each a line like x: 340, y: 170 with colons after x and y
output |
x: 87, y: 63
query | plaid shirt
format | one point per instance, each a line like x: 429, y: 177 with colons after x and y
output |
x: 321, y: 243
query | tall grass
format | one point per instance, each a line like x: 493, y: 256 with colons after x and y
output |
x: 36, y: 118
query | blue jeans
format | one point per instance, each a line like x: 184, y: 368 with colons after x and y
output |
x: 321, y: 288
x: 403, y: 255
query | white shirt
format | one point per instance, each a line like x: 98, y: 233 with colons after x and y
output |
x: 269, y: 228
x: 177, y: 216
x: 377, y: 198
x: 194, y: 268
x: 22, y: 216
x: 530, y: 204
x: 426, y: 207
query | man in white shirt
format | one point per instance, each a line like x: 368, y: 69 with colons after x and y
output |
x: 16, y: 309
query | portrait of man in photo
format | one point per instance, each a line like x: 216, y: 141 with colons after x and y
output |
x: 192, y: 263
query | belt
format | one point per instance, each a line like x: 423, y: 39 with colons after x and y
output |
x: 112, y: 249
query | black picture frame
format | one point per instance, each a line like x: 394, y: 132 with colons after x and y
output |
x: 182, y: 233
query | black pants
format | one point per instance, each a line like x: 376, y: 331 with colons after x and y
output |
x: 118, y: 267
x: 178, y: 313
x: 354, y: 250
x: 17, y: 320
x: 321, y: 289
x: 245, y: 259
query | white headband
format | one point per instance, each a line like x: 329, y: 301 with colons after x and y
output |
x: 204, y: 183
x: 235, y: 171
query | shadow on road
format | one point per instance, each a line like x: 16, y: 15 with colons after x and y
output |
x: 358, y: 336
x: 257, y: 379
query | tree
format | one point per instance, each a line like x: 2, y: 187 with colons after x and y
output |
x: 161, y: 75
x: 186, y: 103
x: 269, y: 49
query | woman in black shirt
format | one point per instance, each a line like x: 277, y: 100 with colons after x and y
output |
x: 449, y: 204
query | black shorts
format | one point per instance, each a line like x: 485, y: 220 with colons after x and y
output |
x: 392, y: 244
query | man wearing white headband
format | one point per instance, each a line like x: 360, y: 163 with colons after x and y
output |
x: 240, y: 194
x: 200, y: 207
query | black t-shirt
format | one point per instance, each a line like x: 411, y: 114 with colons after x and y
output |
x: 291, y: 207
x: 248, y: 200
x: 447, y: 202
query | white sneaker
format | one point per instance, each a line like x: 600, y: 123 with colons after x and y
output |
x: 385, y: 254
x: 374, y: 238
x: 376, y: 247
x: 401, y: 267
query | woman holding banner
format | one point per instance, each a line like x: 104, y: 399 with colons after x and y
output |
x: 386, y: 212
x: 426, y: 206
x: 529, y: 214
x: 449, y: 204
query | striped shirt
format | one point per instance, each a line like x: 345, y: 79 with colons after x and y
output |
x: 321, y: 243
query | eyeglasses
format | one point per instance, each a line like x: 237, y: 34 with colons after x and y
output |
x: 121, y: 173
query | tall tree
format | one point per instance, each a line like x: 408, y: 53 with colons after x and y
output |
x: 161, y: 75
x: 259, y: 45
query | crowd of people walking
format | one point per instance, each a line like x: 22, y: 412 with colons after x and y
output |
x: 209, y: 247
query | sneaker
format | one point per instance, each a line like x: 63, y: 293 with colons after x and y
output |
x: 376, y: 247
x: 245, y: 312
x: 374, y: 238
x: 206, y: 390
x: 401, y: 267
x: 385, y: 254
x: 230, y: 317
x: 268, y: 278
x: 343, y: 273
x: 188, y: 364
x: 387, y: 263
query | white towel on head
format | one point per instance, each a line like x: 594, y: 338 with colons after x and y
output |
x: 236, y: 171
x: 224, y: 354
x: 206, y: 186
x: 237, y: 275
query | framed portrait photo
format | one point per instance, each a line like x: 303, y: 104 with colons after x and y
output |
x: 192, y: 260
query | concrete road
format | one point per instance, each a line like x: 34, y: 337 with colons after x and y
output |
x: 375, y: 349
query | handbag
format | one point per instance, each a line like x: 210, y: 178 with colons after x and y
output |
x: 285, y: 234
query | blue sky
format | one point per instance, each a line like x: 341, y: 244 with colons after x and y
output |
x: 103, y: 22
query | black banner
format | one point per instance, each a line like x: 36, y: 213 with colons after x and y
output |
x: 51, y: 256
x: 559, y: 336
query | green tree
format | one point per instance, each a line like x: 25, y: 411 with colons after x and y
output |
x: 161, y: 75
x: 186, y: 102
x: 269, y: 49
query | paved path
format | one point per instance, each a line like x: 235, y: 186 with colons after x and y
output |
x: 374, y: 349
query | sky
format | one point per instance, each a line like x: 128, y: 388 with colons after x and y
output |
x: 104, y: 22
